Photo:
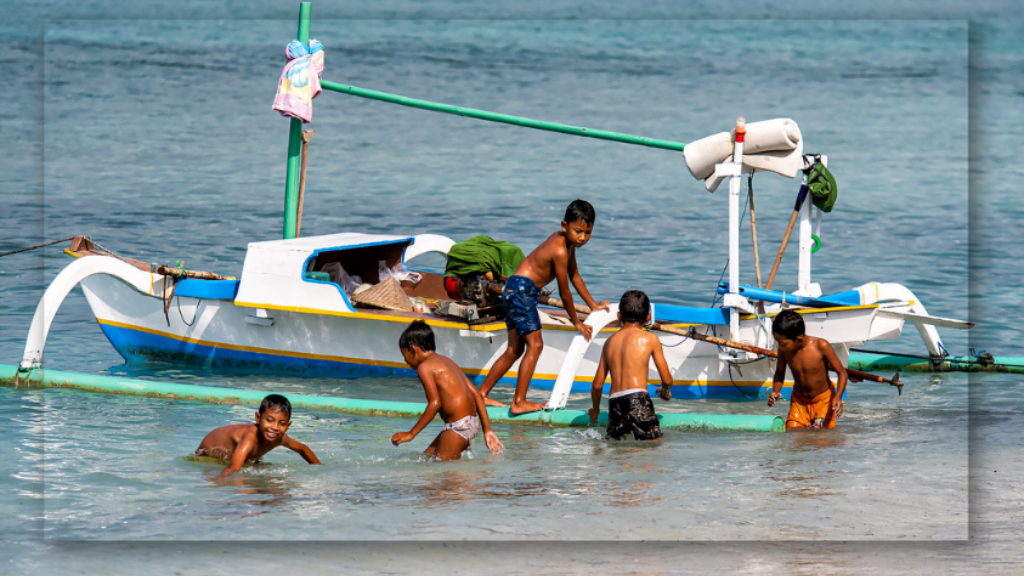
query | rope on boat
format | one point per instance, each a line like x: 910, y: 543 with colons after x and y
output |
x: 111, y: 252
x: 38, y: 246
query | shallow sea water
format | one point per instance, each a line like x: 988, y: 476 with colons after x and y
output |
x: 133, y: 480
x: 128, y: 109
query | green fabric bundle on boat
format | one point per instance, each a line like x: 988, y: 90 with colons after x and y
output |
x: 823, y: 187
x: 482, y: 254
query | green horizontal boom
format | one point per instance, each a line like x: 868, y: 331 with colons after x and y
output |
x: 503, y: 118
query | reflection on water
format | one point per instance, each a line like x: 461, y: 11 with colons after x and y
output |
x: 802, y: 440
x: 811, y: 475
x: 273, y: 492
x: 454, y: 488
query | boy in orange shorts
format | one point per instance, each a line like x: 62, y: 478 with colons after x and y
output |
x: 814, y: 402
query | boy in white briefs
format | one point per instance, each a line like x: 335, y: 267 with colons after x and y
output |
x: 448, y: 393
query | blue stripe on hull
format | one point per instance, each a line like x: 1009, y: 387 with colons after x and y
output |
x: 138, y: 347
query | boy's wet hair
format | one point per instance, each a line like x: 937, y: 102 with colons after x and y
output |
x: 789, y: 324
x: 276, y: 402
x: 634, y: 306
x: 579, y: 210
x: 417, y: 334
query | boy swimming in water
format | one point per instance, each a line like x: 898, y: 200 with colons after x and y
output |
x: 814, y: 402
x: 449, y: 393
x: 242, y: 443
x: 627, y: 355
x: 554, y: 259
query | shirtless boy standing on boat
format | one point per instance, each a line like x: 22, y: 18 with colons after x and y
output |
x: 814, y: 402
x: 554, y: 259
x: 448, y: 392
x: 627, y: 355
x: 242, y: 443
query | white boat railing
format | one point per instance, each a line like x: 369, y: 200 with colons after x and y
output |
x: 574, y: 355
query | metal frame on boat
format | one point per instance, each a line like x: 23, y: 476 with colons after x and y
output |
x: 281, y: 316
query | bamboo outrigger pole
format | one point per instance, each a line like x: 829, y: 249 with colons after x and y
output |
x: 753, y: 229
x: 854, y: 374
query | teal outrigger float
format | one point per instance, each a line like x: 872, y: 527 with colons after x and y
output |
x: 262, y: 322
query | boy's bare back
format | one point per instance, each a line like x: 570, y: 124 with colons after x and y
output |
x: 453, y: 387
x: 627, y: 355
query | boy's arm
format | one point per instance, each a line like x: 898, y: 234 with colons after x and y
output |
x: 301, y: 448
x: 779, y: 378
x: 561, y: 260
x: 493, y: 444
x: 838, y: 368
x: 242, y: 450
x: 597, y: 388
x: 433, y: 405
x: 581, y: 288
x: 665, y: 392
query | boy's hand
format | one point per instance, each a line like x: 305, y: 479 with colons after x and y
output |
x: 493, y: 444
x: 602, y: 305
x: 665, y: 392
x: 772, y: 397
x: 401, y: 437
x: 837, y: 405
x: 594, y: 413
x: 587, y: 331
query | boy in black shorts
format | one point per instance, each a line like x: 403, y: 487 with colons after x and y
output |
x: 627, y: 355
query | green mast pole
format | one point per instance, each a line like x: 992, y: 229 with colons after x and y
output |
x: 291, y: 185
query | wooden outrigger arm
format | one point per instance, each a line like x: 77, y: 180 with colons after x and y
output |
x: 144, y: 282
x: 691, y: 333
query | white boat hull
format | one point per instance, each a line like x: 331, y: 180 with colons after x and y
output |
x: 219, y: 334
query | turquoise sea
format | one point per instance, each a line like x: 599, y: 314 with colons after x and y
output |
x: 148, y: 127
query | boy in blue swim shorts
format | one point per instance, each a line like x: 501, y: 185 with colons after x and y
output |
x: 555, y: 259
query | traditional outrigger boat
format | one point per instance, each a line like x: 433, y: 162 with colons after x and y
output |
x: 284, y: 314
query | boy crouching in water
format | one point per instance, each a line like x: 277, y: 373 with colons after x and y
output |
x: 627, y: 355
x: 814, y: 402
x: 249, y: 442
x: 448, y: 392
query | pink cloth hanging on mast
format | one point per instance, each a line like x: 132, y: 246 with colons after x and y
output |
x: 300, y: 80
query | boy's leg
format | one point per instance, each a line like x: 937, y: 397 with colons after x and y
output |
x: 534, y: 346
x: 645, y: 421
x: 501, y: 367
x: 447, y: 446
x: 798, y: 415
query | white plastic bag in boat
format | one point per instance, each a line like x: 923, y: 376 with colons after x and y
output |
x: 341, y: 278
x: 399, y: 271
